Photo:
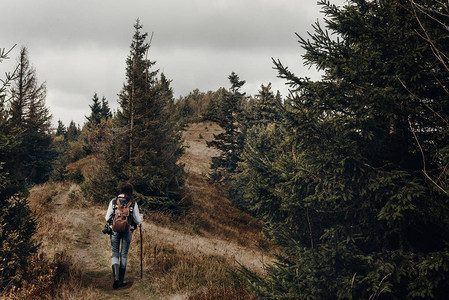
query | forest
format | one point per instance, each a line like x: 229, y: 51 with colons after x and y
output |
x: 347, y: 175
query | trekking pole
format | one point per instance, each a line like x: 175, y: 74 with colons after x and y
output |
x: 141, y: 248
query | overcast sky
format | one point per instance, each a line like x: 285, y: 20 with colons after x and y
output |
x: 79, y: 47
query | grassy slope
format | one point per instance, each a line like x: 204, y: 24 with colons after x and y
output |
x: 183, y: 257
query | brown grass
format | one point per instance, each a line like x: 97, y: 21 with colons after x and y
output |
x: 173, y: 271
x: 223, y: 293
x: 212, y: 213
x: 185, y: 257
x: 88, y: 165
x: 56, y: 278
x: 49, y: 202
x: 171, y: 263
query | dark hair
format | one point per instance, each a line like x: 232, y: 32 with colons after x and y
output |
x: 127, y: 189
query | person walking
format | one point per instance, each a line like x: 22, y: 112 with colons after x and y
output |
x: 123, y: 217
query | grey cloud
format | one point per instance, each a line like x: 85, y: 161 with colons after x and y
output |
x: 79, y: 47
x: 207, y: 23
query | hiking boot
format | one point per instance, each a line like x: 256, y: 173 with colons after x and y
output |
x: 121, y: 277
x: 115, y: 273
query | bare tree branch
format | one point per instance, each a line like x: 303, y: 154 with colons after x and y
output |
x: 424, y: 160
x: 439, y: 55
x: 422, y: 101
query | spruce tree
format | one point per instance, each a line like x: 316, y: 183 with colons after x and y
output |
x: 261, y: 133
x: 29, y: 114
x: 136, y: 90
x: 266, y: 106
x: 229, y: 142
x: 72, y: 132
x: 148, y: 147
x: 356, y: 211
x: 105, y: 110
x: 214, y: 111
x: 17, y: 224
x: 61, y: 130
x: 11, y: 139
x: 263, y: 109
x: 96, y: 112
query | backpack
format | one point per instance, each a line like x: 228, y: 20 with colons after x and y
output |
x: 122, y: 217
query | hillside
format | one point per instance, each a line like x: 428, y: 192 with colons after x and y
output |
x: 185, y: 257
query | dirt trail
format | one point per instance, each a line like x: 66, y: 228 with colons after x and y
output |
x: 81, y: 237
x: 79, y: 232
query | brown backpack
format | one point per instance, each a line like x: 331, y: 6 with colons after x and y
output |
x: 121, y: 219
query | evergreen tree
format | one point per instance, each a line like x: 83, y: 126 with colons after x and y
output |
x: 105, y: 110
x: 17, y: 224
x: 263, y: 109
x: 197, y: 106
x: 356, y: 210
x: 147, y: 156
x: 17, y: 227
x: 4, y: 54
x: 96, y: 112
x: 10, y: 141
x: 29, y: 114
x: 61, y: 130
x: 214, y: 111
x: 185, y: 110
x: 262, y: 136
x: 229, y: 142
x: 266, y: 106
x: 138, y: 86
x: 72, y: 132
x: 10, y: 138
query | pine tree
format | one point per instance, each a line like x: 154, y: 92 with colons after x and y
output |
x: 230, y: 142
x: 10, y: 141
x: 61, y: 130
x: 72, y: 132
x: 17, y: 224
x: 29, y: 113
x: 214, y: 111
x: 260, y: 128
x: 138, y: 86
x: 266, y: 106
x: 10, y: 138
x: 148, y: 154
x: 105, y: 110
x: 355, y: 210
x: 17, y: 227
x: 96, y: 112
x: 263, y: 109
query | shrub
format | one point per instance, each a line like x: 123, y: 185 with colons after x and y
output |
x: 76, y: 176
x: 17, y: 227
x: 44, y: 277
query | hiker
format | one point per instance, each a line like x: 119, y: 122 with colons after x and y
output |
x: 123, y: 217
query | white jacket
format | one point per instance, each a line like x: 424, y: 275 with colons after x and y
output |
x: 138, y: 219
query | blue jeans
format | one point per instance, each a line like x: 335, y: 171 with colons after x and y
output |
x: 123, y: 252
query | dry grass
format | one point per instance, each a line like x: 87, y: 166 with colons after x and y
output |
x: 212, y: 213
x: 43, y: 196
x: 64, y: 225
x: 185, y: 257
x: 223, y: 293
x: 60, y: 232
x: 173, y: 271
x: 88, y: 165
x: 56, y: 278
x: 49, y: 202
